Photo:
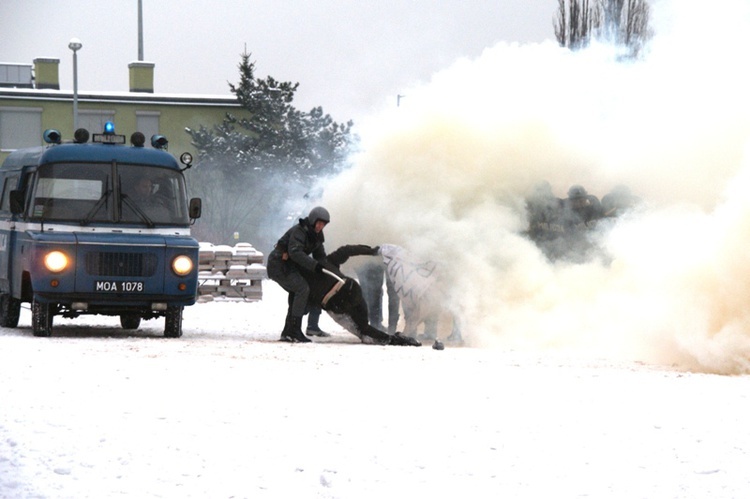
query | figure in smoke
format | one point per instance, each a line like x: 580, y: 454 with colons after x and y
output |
x: 544, y: 212
x: 422, y: 288
x: 563, y: 229
x: 371, y: 275
x: 581, y: 210
x: 619, y: 201
x: 580, y: 214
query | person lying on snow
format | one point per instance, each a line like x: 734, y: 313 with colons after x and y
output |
x: 341, y: 297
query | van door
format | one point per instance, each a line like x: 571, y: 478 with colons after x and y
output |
x: 10, y: 307
x: 9, y: 183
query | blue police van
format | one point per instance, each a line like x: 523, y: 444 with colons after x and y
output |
x: 97, y: 227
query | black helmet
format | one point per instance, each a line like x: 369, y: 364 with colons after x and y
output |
x: 577, y: 192
x: 318, y: 213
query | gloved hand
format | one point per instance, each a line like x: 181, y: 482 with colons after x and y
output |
x: 375, y: 251
x: 319, y: 268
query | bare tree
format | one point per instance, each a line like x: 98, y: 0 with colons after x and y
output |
x: 612, y: 14
x: 561, y: 24
x: 637, y: 29
x: 574, y: 24
x: 622, y: 22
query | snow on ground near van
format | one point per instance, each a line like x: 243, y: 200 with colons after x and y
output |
x: 227, y: 411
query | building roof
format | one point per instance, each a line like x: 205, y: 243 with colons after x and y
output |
x: 120, y: 97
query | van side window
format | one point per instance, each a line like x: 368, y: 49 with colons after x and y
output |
x: 9, y: 185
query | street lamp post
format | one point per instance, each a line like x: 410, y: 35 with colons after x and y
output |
x: 75, y: 45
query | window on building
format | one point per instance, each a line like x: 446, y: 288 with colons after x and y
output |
x: 94, y: 120
x: 20, y: 127
x: 147, y: 122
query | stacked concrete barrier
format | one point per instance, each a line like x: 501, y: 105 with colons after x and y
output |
x: 230, y: 272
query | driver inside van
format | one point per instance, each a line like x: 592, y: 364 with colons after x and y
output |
x: 143, y: 189
x: 145, y: 198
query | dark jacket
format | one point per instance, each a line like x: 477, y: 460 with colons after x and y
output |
x: 303, y: 246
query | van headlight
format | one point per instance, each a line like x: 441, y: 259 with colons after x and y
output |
x: 182, y: 265
x: 55, y: 261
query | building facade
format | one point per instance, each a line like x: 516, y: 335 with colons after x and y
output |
x: 31, y: 101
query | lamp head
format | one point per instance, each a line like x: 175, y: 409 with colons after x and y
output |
x: 75, y: 44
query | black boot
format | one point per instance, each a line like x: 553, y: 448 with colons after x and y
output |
x: 292, y: 332
x: 284, y: 332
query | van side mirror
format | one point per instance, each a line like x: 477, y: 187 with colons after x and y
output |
x: 17, y: 199
x: 195, y: 208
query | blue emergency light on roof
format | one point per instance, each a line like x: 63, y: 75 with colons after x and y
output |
x: 109, y: 136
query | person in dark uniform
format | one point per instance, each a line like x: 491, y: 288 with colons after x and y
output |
x: 544, y: 211
x: 300, y: 248
x: 581, y: 209
x: 581, y: 212
x: 618, y: 201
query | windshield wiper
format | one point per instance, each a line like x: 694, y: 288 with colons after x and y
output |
x: 90, y: 215
x: 137, y: 211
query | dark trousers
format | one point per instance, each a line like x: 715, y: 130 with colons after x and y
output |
x: 371, y: 277
x: 286, y: 275
x: 313, y: 317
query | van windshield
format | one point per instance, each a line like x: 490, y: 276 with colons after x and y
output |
x: 121, y: 193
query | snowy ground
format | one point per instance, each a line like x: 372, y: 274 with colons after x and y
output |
x: 227, y: 411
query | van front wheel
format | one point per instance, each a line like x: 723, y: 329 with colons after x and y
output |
x: 41, y: 318
x: 173, y: 322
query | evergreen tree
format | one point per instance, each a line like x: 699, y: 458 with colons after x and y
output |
x: 248, y: 167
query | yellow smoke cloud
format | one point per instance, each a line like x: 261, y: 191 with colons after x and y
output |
x: 446, y: 173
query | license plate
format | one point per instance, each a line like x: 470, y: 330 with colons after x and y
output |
x: 119, y: 286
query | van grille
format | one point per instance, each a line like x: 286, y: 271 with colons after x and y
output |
x: 119, y: 264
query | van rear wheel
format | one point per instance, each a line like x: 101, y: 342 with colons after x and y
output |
x: 173, y: 322
x: 10, y: 310
x: 41, y: 318
x: 130, y: 321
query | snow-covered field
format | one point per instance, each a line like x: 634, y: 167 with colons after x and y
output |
x: 227, y: 411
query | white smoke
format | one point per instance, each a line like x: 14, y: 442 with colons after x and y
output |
x: 445, y: 175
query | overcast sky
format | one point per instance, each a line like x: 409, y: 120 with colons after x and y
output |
x: 350, y: 57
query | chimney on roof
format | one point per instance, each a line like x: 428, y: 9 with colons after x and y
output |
x: 141, y: 77
x: 47, y: 74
